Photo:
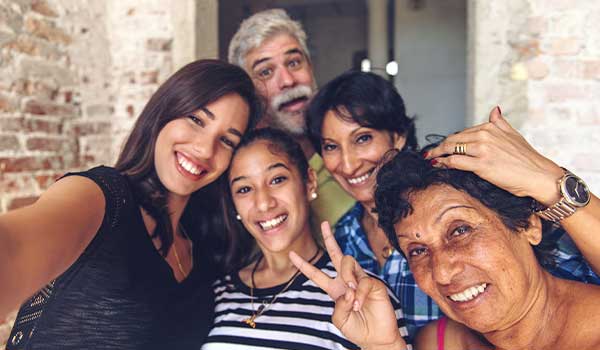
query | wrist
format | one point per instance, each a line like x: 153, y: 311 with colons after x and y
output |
x: 397, y: 344
x: 549, y: 192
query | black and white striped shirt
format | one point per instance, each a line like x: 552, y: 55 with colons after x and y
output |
x: 300, y: 318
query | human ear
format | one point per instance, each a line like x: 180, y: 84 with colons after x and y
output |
x: 534, y: 232
x: 311, y: 184
x: 398, y: 140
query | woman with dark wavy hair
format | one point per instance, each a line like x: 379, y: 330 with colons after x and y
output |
x: 125, y: 256
x: 471, y: 247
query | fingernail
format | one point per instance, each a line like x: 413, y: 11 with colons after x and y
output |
x: 499, y: 110
x: 426, y: 154
x: 356, y: 306
x: 351, y: 285
x: 433, y: 161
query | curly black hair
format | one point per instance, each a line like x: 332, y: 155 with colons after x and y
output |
x: 407, y: 172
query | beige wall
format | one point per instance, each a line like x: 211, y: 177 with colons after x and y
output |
x: 74, y: 75
x: 540, y: 61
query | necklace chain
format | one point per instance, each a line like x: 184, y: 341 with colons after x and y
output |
x: 179, y: 265
x: 251, y: 321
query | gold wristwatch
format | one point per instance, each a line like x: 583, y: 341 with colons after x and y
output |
x: 574, y: 195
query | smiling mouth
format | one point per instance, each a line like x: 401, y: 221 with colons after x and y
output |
x: 469, y: 293
x: 273, y: 223
x: 361, y: 179
x: 292, y: 102
x: 189, y: 166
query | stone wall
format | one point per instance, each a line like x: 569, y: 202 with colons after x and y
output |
x: 540, y: 61
x: 74, y: 75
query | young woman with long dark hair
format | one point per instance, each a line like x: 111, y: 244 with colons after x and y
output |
x: 125, y: 255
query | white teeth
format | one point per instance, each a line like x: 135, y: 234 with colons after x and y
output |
x: 269, y: 224
x: 469, y: 293
x: 360, y: 179
x: 187, y: 165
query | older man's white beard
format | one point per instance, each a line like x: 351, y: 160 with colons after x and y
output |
x: 292, y: 122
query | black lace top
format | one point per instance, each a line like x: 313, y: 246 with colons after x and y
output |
x: 120, y: 293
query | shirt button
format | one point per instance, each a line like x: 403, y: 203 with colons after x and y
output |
x: 16, y: 339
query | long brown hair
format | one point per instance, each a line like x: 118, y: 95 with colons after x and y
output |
x: 192, y: 87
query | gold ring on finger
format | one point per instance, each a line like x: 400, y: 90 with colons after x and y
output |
x: 460, y: 148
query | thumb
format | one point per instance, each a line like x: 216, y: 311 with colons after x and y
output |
x: 498, y: 120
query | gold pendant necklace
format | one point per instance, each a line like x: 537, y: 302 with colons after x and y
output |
x: 179, y: 265
x: 387, y: 251
x: 250, y: 321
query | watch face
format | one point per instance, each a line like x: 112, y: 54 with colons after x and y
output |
x: 576, y: 191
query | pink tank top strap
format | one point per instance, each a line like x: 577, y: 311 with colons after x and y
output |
x: 441, y: 330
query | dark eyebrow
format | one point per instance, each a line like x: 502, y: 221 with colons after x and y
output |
x: 277, y: 165
x: 236, y: 179
x: 270, y: 167
x: 451, y: 208
x: 406, y: 235
x: 208, y: 113
x: 293, y: 51
x: 236, y: 132
x: 288, y: 52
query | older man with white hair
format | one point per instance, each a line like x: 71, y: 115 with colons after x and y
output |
x: 272, y: 48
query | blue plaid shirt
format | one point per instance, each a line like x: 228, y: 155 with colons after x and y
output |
x: 418, y: 308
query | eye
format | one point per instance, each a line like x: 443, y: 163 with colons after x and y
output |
x: 278, y: 179
x: 416, y: 252
x: 243, y: 189
x: 227, y: 142
x: 364, y: 138
x: 196, y: 120
x: 265, y: 73
x: 328, y: 147
x: 295, y: 63
x: 461, y: 230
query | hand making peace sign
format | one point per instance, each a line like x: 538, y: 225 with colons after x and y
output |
x: 363, y: 311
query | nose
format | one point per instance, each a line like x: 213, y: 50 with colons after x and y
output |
x: 285, y: 79
x: 263, y: 200
x: 445, y: 266
x: 204, y: 147
x: 349, y: 163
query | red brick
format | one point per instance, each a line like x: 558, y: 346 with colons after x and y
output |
x: 159, y: 44
x: 91, y: 128
x: 9, y: 185
x: 9, y: 143
x: 45, y: 181
x: 21, y: 164
x: 46, y: 30
x: 6, y: 104
x: 20, y: 202
x: 42, y: 7
x: 47, y: 144
x: 34, y: 47
x: 25, y: 125
x: 39, y: 107
x: 150, y: 77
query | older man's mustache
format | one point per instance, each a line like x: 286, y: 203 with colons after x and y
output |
x: 291, y: 95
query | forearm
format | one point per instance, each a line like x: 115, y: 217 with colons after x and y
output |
x: 584, y: 228
x: 11, y: 289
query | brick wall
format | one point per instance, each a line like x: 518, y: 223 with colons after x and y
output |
x: 74, y: 75
x: 540, y: 61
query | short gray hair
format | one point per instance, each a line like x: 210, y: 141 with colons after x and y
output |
x: 261, y: 26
